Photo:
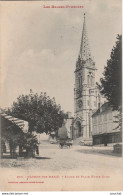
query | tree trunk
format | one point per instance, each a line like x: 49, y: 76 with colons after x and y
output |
x: 30, y: 152
x: 20, y: 151
x: 12, y: 151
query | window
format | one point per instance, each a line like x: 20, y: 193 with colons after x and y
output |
x: 100, y: 128
x: 100, y: 118
x: 90, y: 79
x: 109, y: 129
x: 94, y: 120
x: 104, y: 127
x: 95, y: 128
x: 80, y: 81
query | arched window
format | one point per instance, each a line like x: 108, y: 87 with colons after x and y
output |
x: 80, y: 81
x: 90, y: 79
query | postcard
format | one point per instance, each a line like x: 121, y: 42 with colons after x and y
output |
x: 60, y: 131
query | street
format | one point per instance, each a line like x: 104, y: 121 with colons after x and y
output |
x: 91, y: 167
x: 86, y: 158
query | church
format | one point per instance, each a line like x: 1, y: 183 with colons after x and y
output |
x: 86, y: 93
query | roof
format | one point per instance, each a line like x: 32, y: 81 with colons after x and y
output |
x: 84, y: 47
x: 22, y: 124
x: 102, y: 109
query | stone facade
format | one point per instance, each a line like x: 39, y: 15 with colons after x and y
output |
x: 104, y: 126
x: 86, y: 93
x: 65, y: 131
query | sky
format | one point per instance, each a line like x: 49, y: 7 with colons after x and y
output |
x: 40, y: 46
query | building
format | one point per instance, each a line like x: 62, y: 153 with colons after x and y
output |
x: 7, y: 120
x: 13, y: 125
x: 66, y: 130
x: 104, y: 126
x: 86, y: 93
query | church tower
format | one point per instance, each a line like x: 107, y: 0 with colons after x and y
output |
x: 85, y: 92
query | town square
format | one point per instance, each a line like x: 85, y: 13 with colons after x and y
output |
x: 61, y: 111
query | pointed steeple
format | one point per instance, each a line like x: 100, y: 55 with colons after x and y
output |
x: 85, y: 53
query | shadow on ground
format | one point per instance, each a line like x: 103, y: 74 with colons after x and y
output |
x: 24, y: 158
x: 100, y: 152
x: 43, y: 158
x: 22, y: 162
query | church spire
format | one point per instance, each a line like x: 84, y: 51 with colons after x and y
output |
x: 85, y: 53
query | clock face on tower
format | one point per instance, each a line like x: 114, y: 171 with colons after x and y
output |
x: 79, y: 103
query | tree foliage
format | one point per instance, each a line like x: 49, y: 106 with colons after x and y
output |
x: 111, y: 83
x: 118, y: 120
x: 14, y: 136
x: 40, y: 111
x: 11, y: 134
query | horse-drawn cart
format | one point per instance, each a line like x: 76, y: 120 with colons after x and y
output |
x: 65, y: 143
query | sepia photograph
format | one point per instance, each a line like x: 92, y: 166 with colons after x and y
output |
x: 61, y: 95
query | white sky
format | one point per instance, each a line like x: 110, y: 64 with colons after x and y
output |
x: 39, y: 46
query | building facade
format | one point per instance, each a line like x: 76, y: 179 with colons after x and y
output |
x: 86, y: 94
x: 7, y: 120
x: 104, y: 126
x: 64, y: 132
x: 10, y: 124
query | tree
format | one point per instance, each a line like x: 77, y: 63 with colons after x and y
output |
x: 29, y: 142
x: 40, y: 111
x: 11, y: 134
x: 111, y: 83
x: 15, y: 137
